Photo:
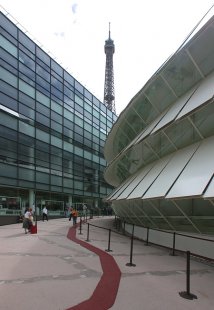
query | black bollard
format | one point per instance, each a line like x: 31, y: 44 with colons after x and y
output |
x: 116, y: 222
x: 109, y: 238
x: 147, y: 237
x: 173, y: 247
x: 186, y: 294
x: 124, y: 227
x: 91, y: 214
x: 88, y: 234
x: 119, y: 224
x: 80, y: 230
x: 130, y: 264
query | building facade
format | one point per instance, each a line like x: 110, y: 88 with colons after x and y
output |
x: 161, y: 159
x: 52, y: 132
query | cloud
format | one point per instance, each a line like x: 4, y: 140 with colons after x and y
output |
x: 59, y: 34
x: 74, y: 8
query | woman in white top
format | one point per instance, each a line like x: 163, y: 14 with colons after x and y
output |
x: 27, y: 222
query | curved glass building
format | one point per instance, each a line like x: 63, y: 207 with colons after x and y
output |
x: 52, y: 132
x: 160, y: 151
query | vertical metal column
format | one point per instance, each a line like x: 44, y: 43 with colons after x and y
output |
x: 186, y: 294
x: 130, y: 264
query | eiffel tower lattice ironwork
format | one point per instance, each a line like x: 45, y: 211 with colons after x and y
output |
x: 109, y: 98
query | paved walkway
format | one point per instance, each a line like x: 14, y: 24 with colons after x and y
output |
x: 57, y: 269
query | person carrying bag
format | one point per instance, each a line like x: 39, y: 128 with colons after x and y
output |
x: 28, y: 220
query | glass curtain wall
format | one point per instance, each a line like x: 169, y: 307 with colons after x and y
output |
x: 52, y: 130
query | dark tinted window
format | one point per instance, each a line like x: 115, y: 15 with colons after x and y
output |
x: 79, y: 87
x: 26, y: 71
x: 56, y: 93
x: 26, y: 140
x: 42, y: 119
x: 69, y: 78
x: 8, y: 58
x: 56, y: 67
x: 6, y: 23
x: 42, y: 109
x: 56, y: 117
x: 43, y: 56
x: 26, y: 60
x: 9, y: 90
x: 26, y: 42
x: 26, y: 111
x: 8, y: 133
x: 88, y: 94
x: 26, y: 100
x: 8, y: 101
x: 43, y: 83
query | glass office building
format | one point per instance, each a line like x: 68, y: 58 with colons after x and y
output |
x: 161, y: 158
x: 52, y: 132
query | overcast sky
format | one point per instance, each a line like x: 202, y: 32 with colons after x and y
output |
x: 145, y: 34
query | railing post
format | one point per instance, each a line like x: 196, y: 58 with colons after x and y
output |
x: 173, y: 246
x: 115, y: 222
x: 147, y: 237
x: 186, y: 294
x: 80, y: 230
x: 88, y: 234
x: 131, y: 249
x: 119, y: 222
x: 109, y: 238
x: 124, y: 227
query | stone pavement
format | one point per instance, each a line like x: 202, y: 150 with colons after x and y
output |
x: 50, y: 271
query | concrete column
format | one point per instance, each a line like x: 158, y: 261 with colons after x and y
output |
x: 70, y: 200
x: 96, y: 204
x: 96, y: 181
x: 31, y: 199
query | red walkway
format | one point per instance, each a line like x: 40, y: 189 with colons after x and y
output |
x: 105, y: 293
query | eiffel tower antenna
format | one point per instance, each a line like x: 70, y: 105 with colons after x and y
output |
x: 109, y: 98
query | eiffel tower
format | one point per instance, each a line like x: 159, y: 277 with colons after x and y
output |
x: 109, y: 98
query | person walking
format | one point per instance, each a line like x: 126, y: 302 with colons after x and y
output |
x: 45, y: 214
x: 71, y: 213
x: 74, y: 216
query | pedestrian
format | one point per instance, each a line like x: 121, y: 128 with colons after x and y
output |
x: 74, y: 216
x: 28, y: 220
x: 84, y: 211
x: 71, y: 213
x: 20, y: 218
x: 45, y: 214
